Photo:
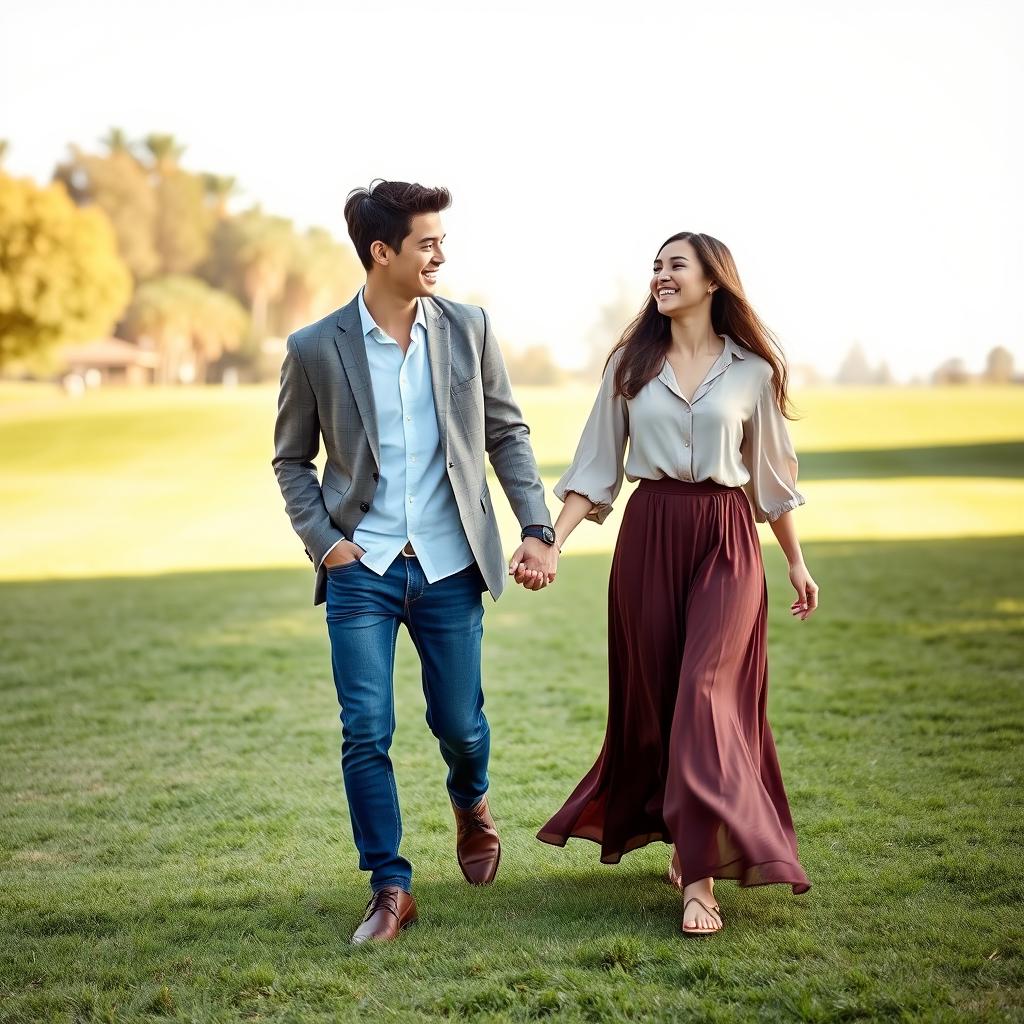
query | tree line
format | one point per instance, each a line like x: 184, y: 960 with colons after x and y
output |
x: 128, y: 240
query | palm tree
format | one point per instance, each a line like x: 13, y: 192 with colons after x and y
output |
x: 320, y: 274
x: 218, y: 189
x: 117, y: 142
x: 251, y: 256
x: 165, y: 151
x: 187, y: 322
x: 219, y: 325
x: 158, y: 319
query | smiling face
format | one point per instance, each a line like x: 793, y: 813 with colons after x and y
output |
x: 679, y: 282
x: 412, y: 271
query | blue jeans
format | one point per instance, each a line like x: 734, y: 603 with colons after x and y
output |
x: 445, y: 621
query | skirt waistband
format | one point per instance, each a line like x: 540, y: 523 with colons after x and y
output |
x: 669, y: 485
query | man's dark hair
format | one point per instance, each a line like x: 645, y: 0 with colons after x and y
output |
x: 384, y: 211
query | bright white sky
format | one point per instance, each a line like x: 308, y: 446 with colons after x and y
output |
x: 863, y: 161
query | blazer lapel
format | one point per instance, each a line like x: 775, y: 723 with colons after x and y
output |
x: 351, y: 348
x: 439, y: 348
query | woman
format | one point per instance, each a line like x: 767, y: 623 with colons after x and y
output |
x: 697, y: 385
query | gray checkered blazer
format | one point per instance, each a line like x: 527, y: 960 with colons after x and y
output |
x: 325, y: 391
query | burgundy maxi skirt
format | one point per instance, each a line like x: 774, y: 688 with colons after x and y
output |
x: 688, y: 755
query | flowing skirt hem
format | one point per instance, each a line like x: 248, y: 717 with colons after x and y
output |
x: 747, y: 876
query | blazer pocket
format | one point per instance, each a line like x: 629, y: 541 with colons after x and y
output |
x: 462, y: 385
x: 337, y: 491
x: 334, y: 499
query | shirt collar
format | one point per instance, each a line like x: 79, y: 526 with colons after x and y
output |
x: 735, y: 351
x: 729, y: 352
x: 370, y: 326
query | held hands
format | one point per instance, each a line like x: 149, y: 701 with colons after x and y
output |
x: 534, y: 564
x: 342, y: 553
x: 806, y: 591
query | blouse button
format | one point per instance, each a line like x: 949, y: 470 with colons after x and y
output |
x: 686, y: 444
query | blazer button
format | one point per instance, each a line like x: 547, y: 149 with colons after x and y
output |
x: 364, y: 506
x: 376, y: 477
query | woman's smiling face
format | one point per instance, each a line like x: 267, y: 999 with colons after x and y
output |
x: 678, y: 281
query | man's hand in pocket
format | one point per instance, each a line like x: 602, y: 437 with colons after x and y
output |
x: 342, y: 553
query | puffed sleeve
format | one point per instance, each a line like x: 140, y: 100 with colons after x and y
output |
x: 770, y: 458
x: 597, y: 467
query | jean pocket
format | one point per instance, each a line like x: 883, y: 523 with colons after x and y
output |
x: 333, y: 570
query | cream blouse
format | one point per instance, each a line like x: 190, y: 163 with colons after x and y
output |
x: 732, y: 432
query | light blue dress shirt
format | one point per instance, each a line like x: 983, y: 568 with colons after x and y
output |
x: 414, y: 501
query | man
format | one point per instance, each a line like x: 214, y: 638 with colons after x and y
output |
x: 408, y: 392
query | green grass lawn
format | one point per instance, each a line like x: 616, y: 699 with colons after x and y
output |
x: 173, y: 835
x: 137, y: 482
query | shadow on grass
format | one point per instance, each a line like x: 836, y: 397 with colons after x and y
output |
x: 598, y: 902
x: 967, y: 582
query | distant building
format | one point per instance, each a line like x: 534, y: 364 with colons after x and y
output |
x: 856, y: 371
x: 998, y: 370
x: 952, y: 371
x: 108, y: 361
x: 999, y: 366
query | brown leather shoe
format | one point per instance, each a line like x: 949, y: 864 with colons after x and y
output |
x: 477, y: 846
x: 389, y: 911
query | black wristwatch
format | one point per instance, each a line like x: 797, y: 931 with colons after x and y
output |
x: 544, y: 533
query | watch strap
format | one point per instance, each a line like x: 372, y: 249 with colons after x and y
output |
x: 541, y: 533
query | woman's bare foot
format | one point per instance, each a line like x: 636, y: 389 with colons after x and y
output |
x: 700, y: 911
x: 674, y: 876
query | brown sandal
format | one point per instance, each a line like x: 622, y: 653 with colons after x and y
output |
x: 701, y: 931
x: 672, y: 878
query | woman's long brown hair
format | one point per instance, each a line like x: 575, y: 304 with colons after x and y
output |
x: 645, y: 342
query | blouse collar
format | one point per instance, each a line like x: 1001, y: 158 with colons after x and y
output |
x: 718, y: 367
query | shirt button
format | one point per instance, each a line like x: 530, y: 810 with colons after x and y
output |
x: 364, y: 506
x: 408, y: 417
x: 686, y: 444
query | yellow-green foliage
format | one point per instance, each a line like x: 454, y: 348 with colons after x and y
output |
x: 61, y: 278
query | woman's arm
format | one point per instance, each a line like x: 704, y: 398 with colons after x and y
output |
x: 593, y: 480
x: 574, y: 511
x: 806, y: 589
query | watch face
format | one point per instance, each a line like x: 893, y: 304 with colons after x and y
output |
x: 549, y: 535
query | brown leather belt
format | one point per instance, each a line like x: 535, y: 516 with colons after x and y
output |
x: 408, y: 551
